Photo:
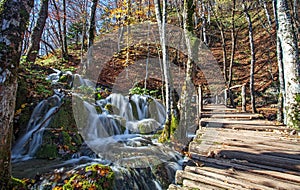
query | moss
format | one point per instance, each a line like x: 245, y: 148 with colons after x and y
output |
x: 67, y: 141
x: 112, y: 109
x: 170, y: 129
x: 134, y: 109
x: 64, y: 117
x: 174, y: 124
x: 99, y: 109
x: 48, y: 151
x: 295, y: 113
x: 96, y: 176
x: 2, y: 6
x: 121, y: 123
x: 17, y: 183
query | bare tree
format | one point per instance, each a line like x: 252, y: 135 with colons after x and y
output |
x: 35, y: 37
x: 14, y: 16
x: 92, y: 28
x: 64, y: 32
x: 281, y: 97
x: 161, y: 17
x: 253, y: 58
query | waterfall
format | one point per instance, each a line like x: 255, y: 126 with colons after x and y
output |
x: 118, y: 129
x: 27, y: 145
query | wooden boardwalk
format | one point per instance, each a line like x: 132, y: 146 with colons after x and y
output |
x: 240, y: 151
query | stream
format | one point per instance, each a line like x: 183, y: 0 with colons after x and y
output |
x: 120, y: 130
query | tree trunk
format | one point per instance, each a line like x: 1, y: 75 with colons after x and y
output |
x: 60, y: 32
x: 92, y: 24
x: 233, y: 46
x: 83, y: 37
x: 161, y: 17
x: 290, y: 59
x: 35, y: 37
x: 281, y: 97
x: 223, y: 38
x: 253, y: 59
x: 64, y: 34
x: 14, y: 17
x: 265, y: 6
x: 186, y: 93
x: 204, y: 23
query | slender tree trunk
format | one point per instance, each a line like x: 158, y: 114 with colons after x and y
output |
x: 281, y: 97
x: 253, y: 59
x: 60, y: 32
x: 64, y: 34
x: 290, y: 59
x: 36, y: 35
x: 232, y: 55
x: 14, y: 16
x: 223, y: 38
x: 91, y: 31
x: 265, y: 6
x: 296, y: 18
x: 233, y: 45
x: 161, y: 17
x: 83, y: 37
x: 204, y: 23
x: 92, y: 24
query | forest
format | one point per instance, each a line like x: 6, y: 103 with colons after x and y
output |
x: 122, y: 94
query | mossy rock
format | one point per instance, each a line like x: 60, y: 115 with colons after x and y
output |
x: 99, y: 109
x: 134, y: 109
x: 121, y: 123
x: 64, y: 117
x: 146, y: 126
x: 48, y: 151
x: 96, y: 176
x: 112, y: 109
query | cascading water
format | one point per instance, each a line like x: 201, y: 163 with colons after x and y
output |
x: 26, y: 146
x: 119, y: 130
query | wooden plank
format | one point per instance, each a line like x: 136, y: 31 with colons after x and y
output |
x: 251, y: 155
x: 266, y: 138
x: 251, y: 179
x: 206, y: 180
x: 239, y: 126
x: 230, y: 179
x: 263, y: 149
x: 279, y: 173
x: 263, y: 144
x: 194, y: 185
x: 231, y: 115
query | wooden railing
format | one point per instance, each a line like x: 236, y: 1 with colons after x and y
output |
x: 224, y: 93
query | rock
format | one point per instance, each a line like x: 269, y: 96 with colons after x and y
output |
x: 146, y: 126
x: 112, y: 109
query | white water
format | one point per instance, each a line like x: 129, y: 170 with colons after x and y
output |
x: 114, y: 136
x: 26, y: 147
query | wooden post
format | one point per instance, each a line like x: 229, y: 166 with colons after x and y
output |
x: 200, y: 104
x: 243, y: 98
x: 225, y: 97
